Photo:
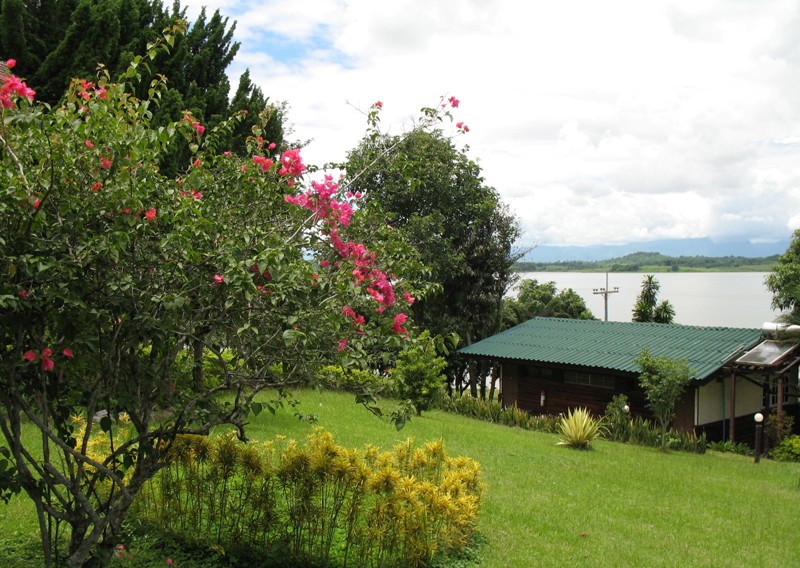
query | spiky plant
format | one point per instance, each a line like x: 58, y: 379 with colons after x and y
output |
x: 578, y: 429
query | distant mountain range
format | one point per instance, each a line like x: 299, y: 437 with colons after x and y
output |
x: 671, y: 247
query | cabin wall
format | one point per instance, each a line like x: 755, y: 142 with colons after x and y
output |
x: 565, y: 388
x: 715, y: 398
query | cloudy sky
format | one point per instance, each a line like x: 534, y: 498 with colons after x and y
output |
x: 597, y: 122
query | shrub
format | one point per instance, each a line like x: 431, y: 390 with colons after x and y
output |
x: 579, y: 429
x: 788, y: 450
x: 617, y: 419
x: 418, y: 373
x: 731, y: 447
x: 316, y: 503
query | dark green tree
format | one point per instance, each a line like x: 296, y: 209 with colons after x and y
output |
x: 536, y: 299
x: 784, y: 281
x: 647, y: 308
x: 435, y: 196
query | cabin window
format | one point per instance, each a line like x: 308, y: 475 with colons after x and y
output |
x: 589, y: 379
x: 773, y: 394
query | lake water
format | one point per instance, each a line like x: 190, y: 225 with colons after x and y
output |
x: 728, y: 299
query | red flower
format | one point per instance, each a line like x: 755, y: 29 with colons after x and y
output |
x: 89, y: 143
x: 408, y: 298
x: 150, y: 214
x: 47, y: 365
x: 199, y: 128
x: 378, y: 104
x: 342, y: 345
x: 454, y: 102
x: 68, y: 353
x: 23, y: 294
x: 97, y: 186
x: 197, y: 163
x: 47, y: 352
x: 219, y: 279
x: 29, y: 356
x: 10, y: 63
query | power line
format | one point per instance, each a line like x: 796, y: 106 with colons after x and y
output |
x: 605, y: 292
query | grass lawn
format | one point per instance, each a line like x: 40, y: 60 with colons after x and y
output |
x: 617, y: 505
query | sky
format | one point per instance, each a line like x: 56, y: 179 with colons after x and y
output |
x: 597, y: 122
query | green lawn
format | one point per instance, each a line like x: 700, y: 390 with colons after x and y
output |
x: 617, y: 505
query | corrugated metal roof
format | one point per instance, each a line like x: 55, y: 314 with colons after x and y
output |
x: 615, y: 345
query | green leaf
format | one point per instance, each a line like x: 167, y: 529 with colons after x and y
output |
x: 105, y: 424
x: 256, y: 408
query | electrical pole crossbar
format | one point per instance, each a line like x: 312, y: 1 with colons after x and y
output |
x: 605, y: 292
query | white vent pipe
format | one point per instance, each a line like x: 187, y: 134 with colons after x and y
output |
x: 775, y: 329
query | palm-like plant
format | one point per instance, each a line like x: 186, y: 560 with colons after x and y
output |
x: 579, y: 429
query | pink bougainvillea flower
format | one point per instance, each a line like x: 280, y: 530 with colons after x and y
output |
x: 408, y: 297
x: 10, y: 63
x: 219, y: 279
x: 264, y: 163
x: 199, y: 128
x: 378, y: 104
x: 89, y: 143
x: 197, y: 163
x: 454, y: 102
x: 23, y: 294
x: 169, y: 562
x: 101, y: 92
x: 244, y: 168
x: 399, y: 320
x: 342, y: 345
x: 47, y: 352
x: 47, y: 364
x: 271, y: 145
x: 67, y: 352
x: 324, y: 264
x: 29, y: 356
x: 150, y: 214
x: 105, y: 162
x: 292, y: 163
x: 226, y: 153
x: 97, y: 186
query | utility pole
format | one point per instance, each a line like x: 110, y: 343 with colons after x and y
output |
x: 605, y: 292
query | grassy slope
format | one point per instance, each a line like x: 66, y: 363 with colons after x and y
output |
x: 618, y: 505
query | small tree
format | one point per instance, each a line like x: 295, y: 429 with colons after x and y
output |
x: 663, y: 380
x: 419, y: 373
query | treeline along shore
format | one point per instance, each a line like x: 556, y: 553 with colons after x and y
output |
x: 655, y: 262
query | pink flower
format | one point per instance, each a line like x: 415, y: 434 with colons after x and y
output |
x: 197, y: 163
x: 23, y: 294
x: 47, y: 365
x: 199, y: 128
x: 399, y: 320
x: 408, y: 297
x: 47, y: 352
x: 97, y: 186
x: 169, y: 562
x: 462, y: 127
x: 10, y: 63
x: 378, y: 105
x: 271, y: 146
x: 89, y: 143
x: 226, y: 153
x: 454, y: 102
x: 150, y: 214
x: 342, y: 345
x: 105, y: 162
x: 37, y: 203
x: 219, y: 279
x: 29, y: 356
x: 292, y: 163
x: 324, y: 264
x: 68, y: 353
x: 264, y: 163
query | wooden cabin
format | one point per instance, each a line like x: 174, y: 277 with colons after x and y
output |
x: 549, y: 365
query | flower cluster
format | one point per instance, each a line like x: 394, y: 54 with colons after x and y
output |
x: 291, y: 165
x: 12, y: 85
x: 46, y: 357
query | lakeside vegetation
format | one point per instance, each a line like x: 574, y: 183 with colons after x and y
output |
x: 655, y: 262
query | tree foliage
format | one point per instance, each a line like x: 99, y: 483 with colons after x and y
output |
x: 663, y: 380
x: 647, y: 308
x: 536, y: 299
x: 419, y: 372
x: 784, y: 280
x: 434, y: 195
x: 115, y: 275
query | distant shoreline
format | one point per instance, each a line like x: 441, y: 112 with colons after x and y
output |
x: 651, y: 262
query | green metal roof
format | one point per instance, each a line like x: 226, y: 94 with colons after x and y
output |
x: 615, y: 345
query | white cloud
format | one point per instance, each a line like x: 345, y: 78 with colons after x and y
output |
x: 598, y: 122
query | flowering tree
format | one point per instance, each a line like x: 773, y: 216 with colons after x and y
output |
x: 113, y: 272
